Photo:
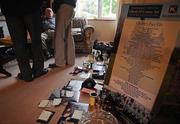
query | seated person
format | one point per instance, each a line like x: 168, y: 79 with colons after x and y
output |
x: 48, y: 25
x: 48, y: 20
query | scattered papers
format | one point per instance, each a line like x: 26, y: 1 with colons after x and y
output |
x: 45, y: 115
x: 85, y: 75
x: 43, y: 103
x: 98, y: 87
x: 56, y: 102
x: 66, y: 93
x: 74, y: 82
x: 77, y: 114
x: 99, y: 81
x: 69, y: 93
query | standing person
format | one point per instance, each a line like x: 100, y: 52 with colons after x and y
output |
x: 22, y: 18
x: 64, y: 43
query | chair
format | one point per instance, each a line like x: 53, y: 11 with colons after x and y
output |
x: 82, y: 33
x: 6, y: 54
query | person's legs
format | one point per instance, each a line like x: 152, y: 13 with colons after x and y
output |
x: 50, y: 41
x: 45, y: 48
x: 59, y: 39
x: 33, y: 23
x: 18, y: 35
x: 63, y: 30
x: 70, y: 47
x: 50, y: 38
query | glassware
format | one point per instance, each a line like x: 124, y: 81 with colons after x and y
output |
x: 98, y: 117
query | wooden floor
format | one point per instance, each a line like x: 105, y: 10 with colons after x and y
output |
x: 19, y: 100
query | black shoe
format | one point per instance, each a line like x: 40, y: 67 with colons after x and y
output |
x: 20, y: 77
x: 43, y: 72
x: 48, y: 56
x: 53, y: 65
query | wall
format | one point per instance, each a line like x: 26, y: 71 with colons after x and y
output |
x: 104, y: 29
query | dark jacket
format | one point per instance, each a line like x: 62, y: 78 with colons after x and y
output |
x: 57, y: 3
x: 19, y: 7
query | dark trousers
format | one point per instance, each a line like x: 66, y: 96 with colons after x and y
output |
x: 18, y: 27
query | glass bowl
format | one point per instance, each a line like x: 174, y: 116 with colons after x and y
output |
x: 100, y: 117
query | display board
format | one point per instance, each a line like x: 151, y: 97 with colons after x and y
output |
x: 145, y: 38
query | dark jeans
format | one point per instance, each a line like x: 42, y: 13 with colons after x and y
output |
x: 18, y: 27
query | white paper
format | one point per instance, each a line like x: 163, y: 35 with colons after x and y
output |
x: 85, y: 75
x: 74, y: 82
x: 99, y: 81
x: 45, y: 115
x: 69, y: 93
x: 77, y: 114
x: 56, y: 101
x: 98, y: 87
x: 43, y: 103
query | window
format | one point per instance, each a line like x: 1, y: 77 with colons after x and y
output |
x: 96, y: 9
